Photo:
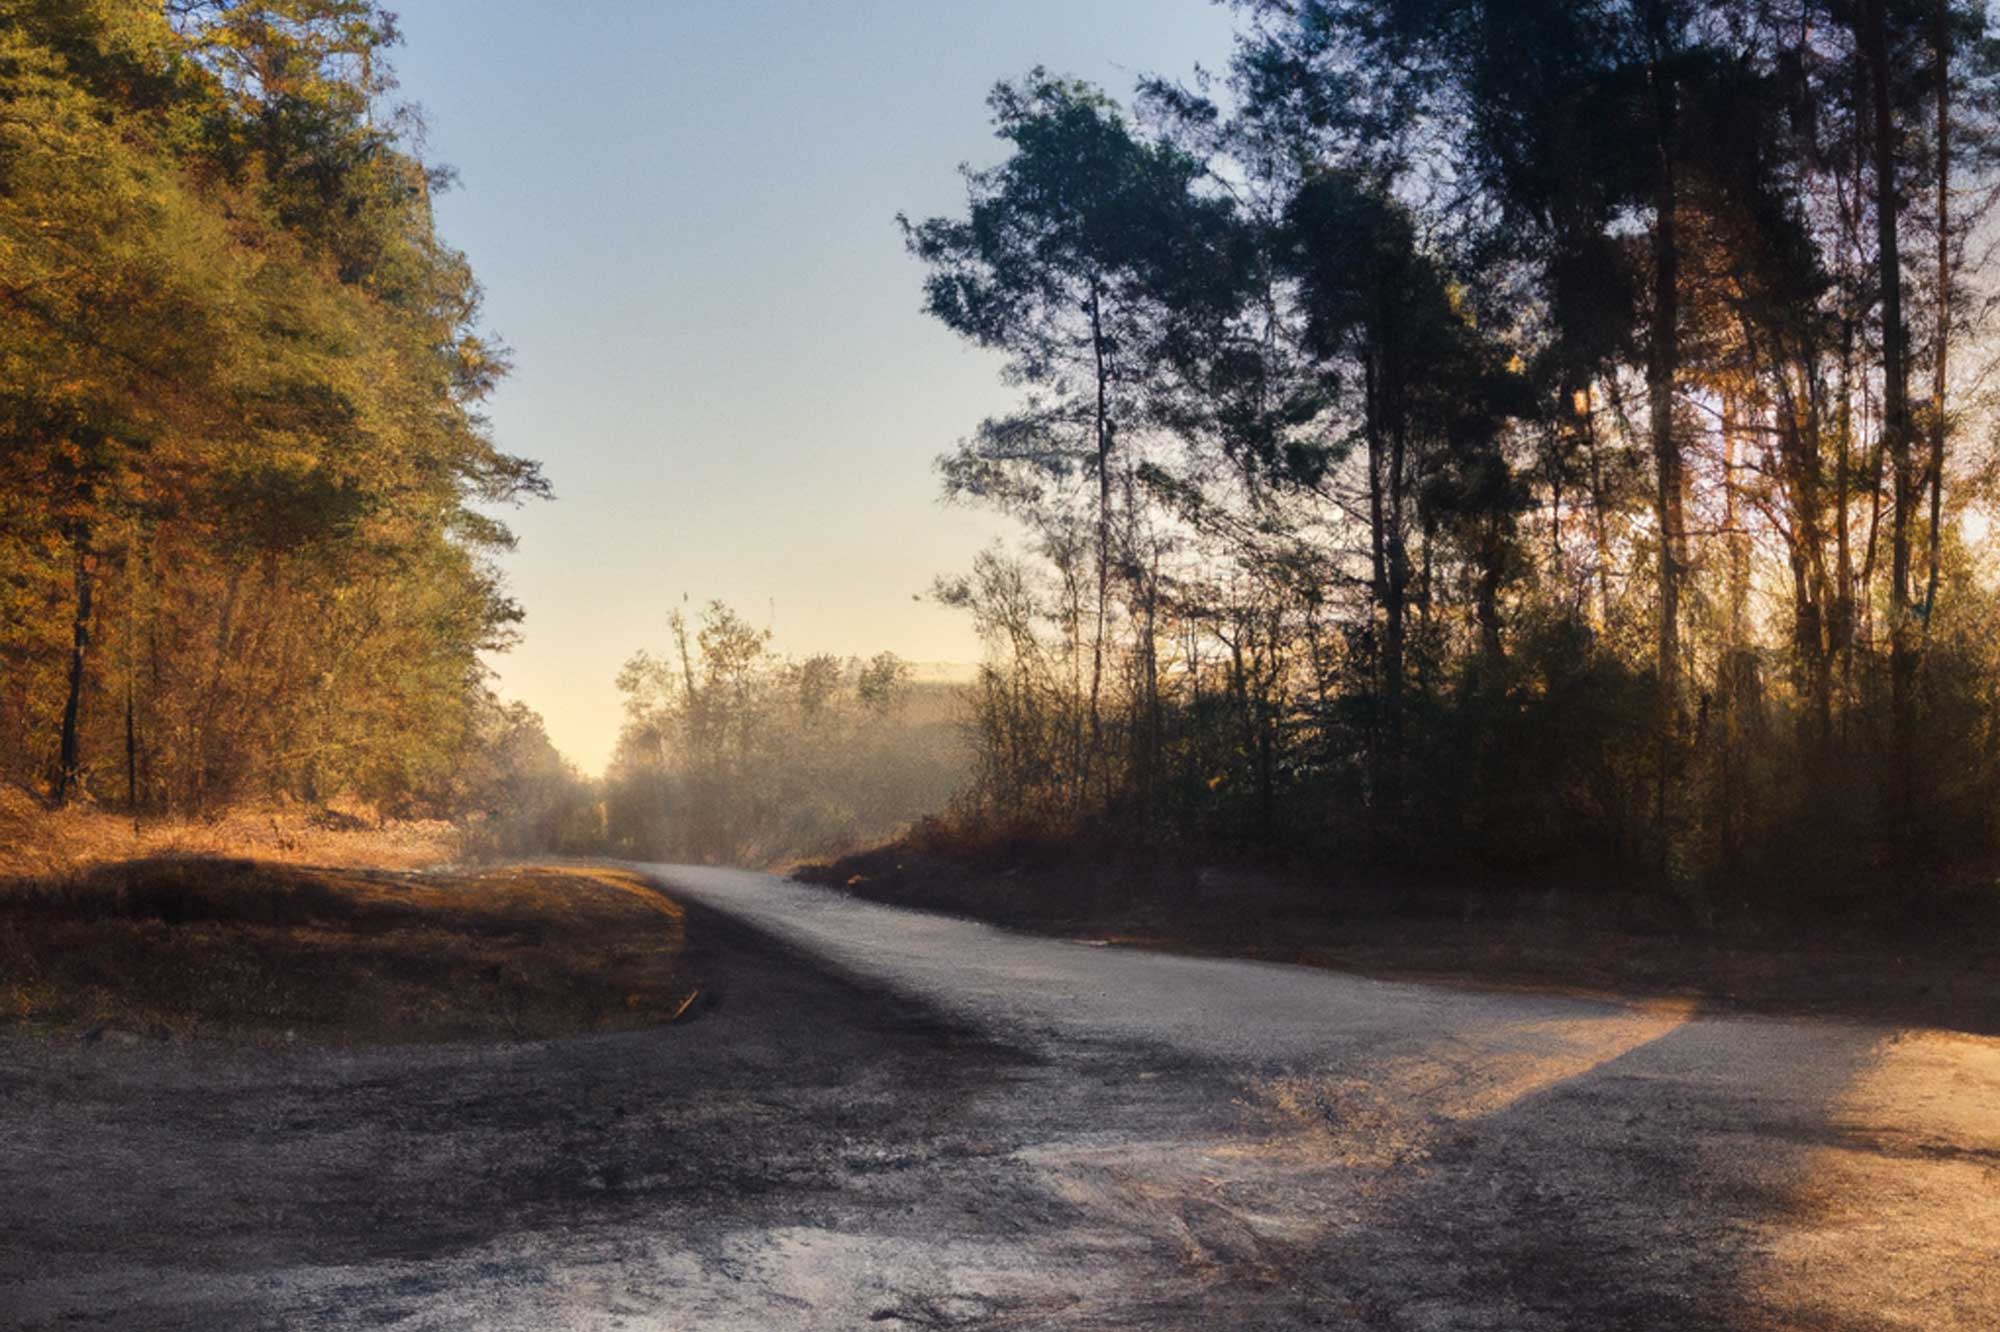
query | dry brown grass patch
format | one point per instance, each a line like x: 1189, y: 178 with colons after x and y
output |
x: 180, y: 946
x: 37, y: 841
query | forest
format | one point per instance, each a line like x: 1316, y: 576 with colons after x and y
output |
x: 1529, y: 437
x: 245, y: 487
x: 1542, y: 438
x: 248, y: 495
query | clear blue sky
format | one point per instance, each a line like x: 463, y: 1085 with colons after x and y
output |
x: 683, y: 216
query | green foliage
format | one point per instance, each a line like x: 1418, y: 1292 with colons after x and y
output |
x: 1085, y: 257
x: 239, y: 430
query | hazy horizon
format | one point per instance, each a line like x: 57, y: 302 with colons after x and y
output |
x: 684, y: 220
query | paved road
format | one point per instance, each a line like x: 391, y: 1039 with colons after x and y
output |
x: 1411, y: 1156
x: 889, y: 1119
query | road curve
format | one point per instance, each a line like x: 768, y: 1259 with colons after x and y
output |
x: 1417, y: 1156
x: 884, y: 1118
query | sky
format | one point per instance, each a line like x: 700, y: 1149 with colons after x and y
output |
x: 684, y: 217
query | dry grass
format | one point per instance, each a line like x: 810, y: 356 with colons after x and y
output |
x: 36, y: 841
x: 177, y: 946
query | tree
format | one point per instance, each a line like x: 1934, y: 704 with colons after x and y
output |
x: 239, y: 388
x: 1373, y: 301
x: 1080, y: 257
x: 733, y: 754
x: 1555, y: 422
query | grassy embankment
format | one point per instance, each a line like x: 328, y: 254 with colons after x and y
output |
x: 260, y: 926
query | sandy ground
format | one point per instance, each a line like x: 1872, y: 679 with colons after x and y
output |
x: 893, y: 1119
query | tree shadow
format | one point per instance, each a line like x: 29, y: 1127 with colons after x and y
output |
x: 1681, y: 1184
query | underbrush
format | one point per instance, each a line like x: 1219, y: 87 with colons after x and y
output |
x: 38, y: 841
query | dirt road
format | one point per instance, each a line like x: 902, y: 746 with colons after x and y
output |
x: 889, y: 1119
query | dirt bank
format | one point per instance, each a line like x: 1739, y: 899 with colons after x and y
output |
x: 198, y: 947
x: 1870, y: 963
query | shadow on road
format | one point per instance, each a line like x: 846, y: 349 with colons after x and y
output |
x: 1734, y: 1174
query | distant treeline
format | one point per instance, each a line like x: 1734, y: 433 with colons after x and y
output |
x: 1500, y: 436
x: 240, y: 448
x: 733, y: 754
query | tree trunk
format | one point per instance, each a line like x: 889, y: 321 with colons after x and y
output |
x: 1732, y: 521
x: 1874, y: 43
x: 1600, y: 523
x: 1155, y: 712
x: 1398, y: 601
x: 131, y: 744
x: 1841, y: 631
x: 1486, y: 601
x: 1103, y: 442
x: 1378, y: 550
x: 1941, y: 39
x: 69, y: 762
x: 1662, y: 373
x: 1798, y: 431
x: 132, y: 549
